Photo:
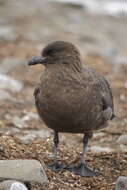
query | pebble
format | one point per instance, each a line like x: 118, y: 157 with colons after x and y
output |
x: 22, y: 122
x: 32, y: 134
x: 8, y: 83
x: 6, y: 96
x: 12, y: 185
x: 7, y: 33
x: 98, y: 134
x: 30, y: 116
x: 100, y: 149
x: 121, y: 183
x: 18, y: 122
x: 122, y: 139
x: 22, y: 170
x: 123, y: 147
x: 9, y: 63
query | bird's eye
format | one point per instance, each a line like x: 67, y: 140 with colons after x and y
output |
x: 51, y: 51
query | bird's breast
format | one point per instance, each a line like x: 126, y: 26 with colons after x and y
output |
x: 65, y: 103
x: 62, y: 97
x: 66, y: 99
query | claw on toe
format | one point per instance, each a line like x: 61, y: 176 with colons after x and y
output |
x: 56, y: 166
x: 83, y: 171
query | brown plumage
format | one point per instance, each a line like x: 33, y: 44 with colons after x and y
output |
x: 71, y: 96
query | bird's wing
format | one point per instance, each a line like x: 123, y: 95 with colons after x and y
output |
x: 106, y: 92
x: 102, y: 84
x: 36, y: 93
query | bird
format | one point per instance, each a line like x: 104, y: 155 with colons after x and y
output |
x: 71, y: 97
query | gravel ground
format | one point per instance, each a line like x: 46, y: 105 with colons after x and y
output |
x: 109, y: 165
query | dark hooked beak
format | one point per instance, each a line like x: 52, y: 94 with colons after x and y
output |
x: 37, y: 60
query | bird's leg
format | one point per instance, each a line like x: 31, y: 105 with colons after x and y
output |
x: 55, y: 165
x: 82, y: 168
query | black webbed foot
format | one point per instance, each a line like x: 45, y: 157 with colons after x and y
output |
x: 82, y: 170
x: 56, y: 166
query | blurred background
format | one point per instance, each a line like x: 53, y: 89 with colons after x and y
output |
x: 97, y: 27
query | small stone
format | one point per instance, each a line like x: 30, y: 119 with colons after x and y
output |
x: 123, y: 147
x: 22, y: 170
x: 122, y: 139
x: 32, y: 134
x: 18, y: 122
x: 12, y: 185
x: 6, y: 96
x: 7, y: 82
x: 22, y: 122
x: 122, y: 97
x: 8, y: 63
x: 27, y: 138
x: 98, y: 134
x: 30, y: 116
x: 7, y: 33
x: 100, y: 149
x: 121, y: 183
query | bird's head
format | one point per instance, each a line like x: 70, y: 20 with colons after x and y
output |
x: 56, y: 52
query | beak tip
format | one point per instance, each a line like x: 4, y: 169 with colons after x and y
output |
x: 29, y: 63
x: 35, y: 60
